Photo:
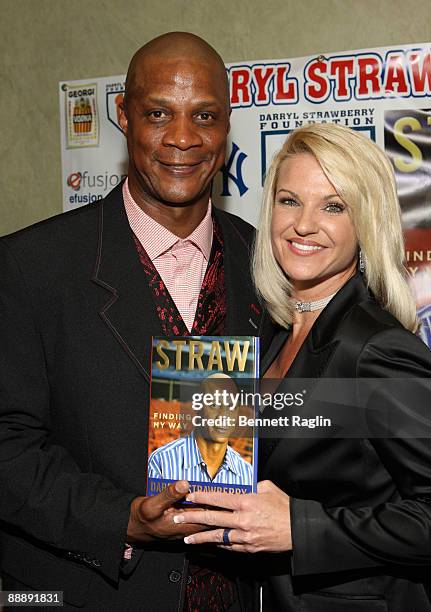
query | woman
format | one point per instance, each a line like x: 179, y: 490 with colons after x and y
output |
x: 351, y: 516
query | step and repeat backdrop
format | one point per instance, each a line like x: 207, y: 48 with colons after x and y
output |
x: 383, y: 92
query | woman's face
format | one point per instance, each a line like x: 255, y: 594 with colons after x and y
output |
x: 312, y: 234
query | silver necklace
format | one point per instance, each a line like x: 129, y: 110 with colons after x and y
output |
x: 310, y: 306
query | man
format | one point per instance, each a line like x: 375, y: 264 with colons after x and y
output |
x: 205, y: 455
x: 81, y: 295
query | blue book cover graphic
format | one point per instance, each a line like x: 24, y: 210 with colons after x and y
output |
x: 201, y: 425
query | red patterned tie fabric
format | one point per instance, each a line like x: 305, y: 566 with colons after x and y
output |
x: 207, y: 590
x: 211, y: 308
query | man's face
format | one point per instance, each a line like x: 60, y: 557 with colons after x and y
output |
x: 221, y: 432
x: 221, y: 409
x: 176, y: 121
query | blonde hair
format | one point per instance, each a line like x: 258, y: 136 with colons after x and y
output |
x: 363, y: 177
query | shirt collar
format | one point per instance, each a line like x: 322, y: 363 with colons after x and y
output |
x: 155, y: 238
x: 229, y: 460
x: 193, y: 457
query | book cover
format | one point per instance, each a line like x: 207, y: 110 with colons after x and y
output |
x: 201, y: 425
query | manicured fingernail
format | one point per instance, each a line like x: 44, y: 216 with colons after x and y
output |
x: 178, y: 519
x: 189, y: 540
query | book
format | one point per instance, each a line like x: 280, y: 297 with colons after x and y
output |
x: 201, y: 426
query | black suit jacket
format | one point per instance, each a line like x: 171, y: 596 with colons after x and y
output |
x: 76, y: 320
x: 360, y: 508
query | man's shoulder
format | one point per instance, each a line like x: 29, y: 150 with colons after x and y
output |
x: 65, y: 236
x: 60, y: 229
x: 236, y: 226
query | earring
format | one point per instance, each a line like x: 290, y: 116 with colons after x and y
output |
x: 361, y: 263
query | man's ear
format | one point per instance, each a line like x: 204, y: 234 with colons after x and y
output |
x: 122, y: 117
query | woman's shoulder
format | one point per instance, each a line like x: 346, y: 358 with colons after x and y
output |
x: 371, y: 318
x: 381, y: 339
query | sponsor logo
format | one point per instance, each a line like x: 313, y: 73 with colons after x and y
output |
x: 232, y: 171
x: 114, y: 98
x: 91, y: 187
x: 82, y: 117
x: 104, y: 180
x: 84, y: 198
x: 74, y: 180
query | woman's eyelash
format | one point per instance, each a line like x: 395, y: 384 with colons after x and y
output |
x: 334, y: 207
x: 289, y: 202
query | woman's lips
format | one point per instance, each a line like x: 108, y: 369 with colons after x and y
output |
x: 303, y: 248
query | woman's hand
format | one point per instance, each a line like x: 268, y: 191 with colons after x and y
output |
x: 258, y: 522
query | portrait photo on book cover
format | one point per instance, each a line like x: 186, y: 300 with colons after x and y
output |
x: 193, y: 428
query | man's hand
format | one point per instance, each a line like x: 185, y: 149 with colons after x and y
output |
x: 152, y: 517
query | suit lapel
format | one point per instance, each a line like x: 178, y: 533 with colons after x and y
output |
x: 274, y: 348
x: 244, y: 314
x: 313, y: 357
x: 307, y: 367
x: 129, y: 311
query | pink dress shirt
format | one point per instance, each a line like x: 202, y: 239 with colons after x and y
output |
x: 181, y: 262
